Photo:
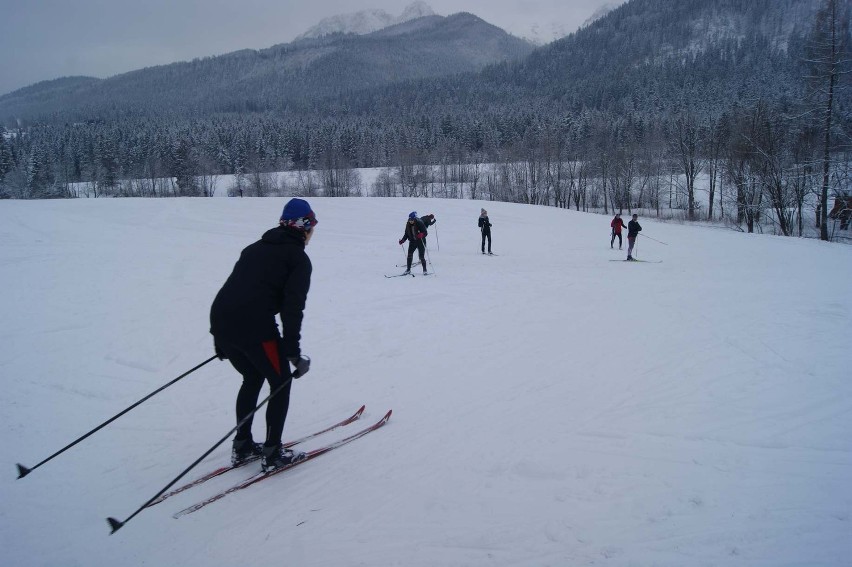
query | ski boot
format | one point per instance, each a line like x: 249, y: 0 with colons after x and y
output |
x: 245, y: 450
x: 278, y: 457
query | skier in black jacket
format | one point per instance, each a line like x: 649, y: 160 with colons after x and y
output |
x: 415, y: 234
x: 633, y: 229
x: 427, y: 220
x: 271, y: 277
x: 485, y: 228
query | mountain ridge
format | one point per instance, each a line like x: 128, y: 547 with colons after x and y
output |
x: 282, y: 75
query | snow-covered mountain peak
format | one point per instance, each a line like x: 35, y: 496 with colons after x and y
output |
x: 366, y: 21
x: 415, y: 10
x: 542, y: 32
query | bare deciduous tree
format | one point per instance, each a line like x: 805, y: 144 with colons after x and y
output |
x: 829, y: 61
x: 686, y: 140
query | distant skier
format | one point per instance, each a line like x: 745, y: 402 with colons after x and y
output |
x: 633, y: 229
x: 272, y: 276
x: 485, y: 228
x: 617, y: 224
x: 415, y: 234
x: 427, y: 220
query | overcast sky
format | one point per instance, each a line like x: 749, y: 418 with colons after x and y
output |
x: 47, y: 39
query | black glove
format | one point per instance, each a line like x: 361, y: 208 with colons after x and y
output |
x: 301, y: 365
x: 219, y: 353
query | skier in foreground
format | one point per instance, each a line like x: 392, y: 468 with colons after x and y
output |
x: 272, y: 276
x: 633, y: 229
x: 415, y: 233
x: 485, y: 228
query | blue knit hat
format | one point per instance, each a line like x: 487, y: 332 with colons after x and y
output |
x: 298, y: 214
x: 412, y: 215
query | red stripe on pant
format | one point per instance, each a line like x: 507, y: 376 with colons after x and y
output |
x: 271, y: 350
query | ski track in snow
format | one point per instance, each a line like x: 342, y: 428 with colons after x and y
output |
x: 550, y: 407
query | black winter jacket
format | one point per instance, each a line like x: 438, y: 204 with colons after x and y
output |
x: 271, y: 277
x: 633, y: 229
x: 411, y: 230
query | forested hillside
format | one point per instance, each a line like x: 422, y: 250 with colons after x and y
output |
x: 284, y: 79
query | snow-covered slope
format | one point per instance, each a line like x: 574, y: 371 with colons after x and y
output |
x: 552, y: 405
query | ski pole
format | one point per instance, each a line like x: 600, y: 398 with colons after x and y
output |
x: 24, y: 471
x: 428, y: 258
x: 437, y: 240
x: 117, y: 525
x: 655, y: 240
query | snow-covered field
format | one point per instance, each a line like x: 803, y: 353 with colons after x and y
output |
x: 552, y: 407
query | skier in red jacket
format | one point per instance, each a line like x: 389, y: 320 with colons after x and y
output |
x: 617, y: 224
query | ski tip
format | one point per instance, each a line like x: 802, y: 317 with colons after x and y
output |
x: 355, y: 416
x: 387, y: 415
x: 22, y: 470
x: 114, y: 524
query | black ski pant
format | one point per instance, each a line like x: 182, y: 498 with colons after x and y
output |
x: 614, y: 234
x: 420, y: 246
x: 259, y: 363
x: 486, y: 234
